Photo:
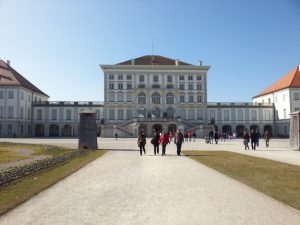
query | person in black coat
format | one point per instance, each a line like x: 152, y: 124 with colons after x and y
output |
x: 253, y: 138
x: 216, y: 137
x: 155, y: 142
x: 179, y: 140
x: 142, y: 142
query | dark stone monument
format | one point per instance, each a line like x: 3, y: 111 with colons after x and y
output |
x: 87, y: 130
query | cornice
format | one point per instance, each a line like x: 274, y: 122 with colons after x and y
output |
x: 155, y: 68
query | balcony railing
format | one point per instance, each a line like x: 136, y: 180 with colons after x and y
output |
x: 66, y: 103
x: 238, y: 104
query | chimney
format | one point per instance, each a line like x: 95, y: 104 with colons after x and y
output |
x: 8, y: 62
x: 132, y: 62
x: 176, y: 62
x: 200, y: 63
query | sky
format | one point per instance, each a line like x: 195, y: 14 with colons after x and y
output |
x: 58, y: 45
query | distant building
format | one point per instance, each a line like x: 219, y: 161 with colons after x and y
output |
x: 146, y: 93
x: 285, y: 95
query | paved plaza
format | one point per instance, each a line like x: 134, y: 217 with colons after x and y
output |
x: 124, y: 188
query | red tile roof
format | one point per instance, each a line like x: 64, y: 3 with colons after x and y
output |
x: 10, y: 77
x: 152, y: 60
x: 290, y: 80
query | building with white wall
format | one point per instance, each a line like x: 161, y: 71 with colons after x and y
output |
x: 285, y: 95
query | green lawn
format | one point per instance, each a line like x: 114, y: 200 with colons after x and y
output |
x: 17, y: 192
x: 278, y: 180
x: 10, y: 152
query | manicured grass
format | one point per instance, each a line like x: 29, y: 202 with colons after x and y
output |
x: 17, y: 192
x: 278, y: 180
x: 10, y: 152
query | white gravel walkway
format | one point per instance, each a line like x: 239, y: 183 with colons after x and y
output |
x: 123, y: 188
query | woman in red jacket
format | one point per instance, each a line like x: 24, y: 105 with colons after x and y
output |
x: 164, y: 140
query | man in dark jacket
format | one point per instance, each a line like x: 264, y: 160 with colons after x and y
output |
x: 179, y: 140
x: 253, y: 138
x: 155, y: 142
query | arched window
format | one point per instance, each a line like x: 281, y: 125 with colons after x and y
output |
x: 156, y: 98
x: 142, y: 98
x: 170, y: 98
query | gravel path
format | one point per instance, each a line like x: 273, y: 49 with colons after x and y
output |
x: 123, y: 188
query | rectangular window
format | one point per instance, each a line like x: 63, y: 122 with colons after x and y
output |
x: 129, y: 114
x: 120, y: 86
x: 199, y: 98
x: 284, y: 114
x: 28, y: 98
x: 129, y: 77
x: 200, y: 115
x: 22, y: 113
x: 191, y: 86
x: 1, y: 95
x: 190, y: 77
x: 111, y: 97
x: 296, y: 96
x: 22, y: 95
x: 155, y: 78
x: 191, y: 98
x: 283, y: 97
x: 54, y: 114
x: 240, y: 115
x: 10, y: 112
x: 68, y: 114
x: 181, y: 77
x: 129, y: 97
x: 97, y: 114
x: 129, y: 87
x: 267, y: 115
x: 169, y: 79
x: 111, y: 86
x: 120, y: 114
x: 226, y: 115
x: 39, y: 114
x: 254, y: 115
x: 120, y: 97
x: 142, y: 78
x: 181, y: 87
x: 199, y: 87
x: 9, y: 129
x: 111, y: 76
x: 212, y: 114
x: 111, y: 114
x: 1, y: 112
x: 120, y: 77
x: 29, y: 114
x: 296, y: 109
x: 182, y: 98
x: 10, y: 94
x: 199, y: 78
x: 191, y: 114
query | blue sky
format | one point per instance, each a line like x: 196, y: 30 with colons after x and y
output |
x: 59, y: 44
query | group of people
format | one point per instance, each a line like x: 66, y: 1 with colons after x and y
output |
x: 216, y: 136
x: 162, y: 139
x: 254, y: 139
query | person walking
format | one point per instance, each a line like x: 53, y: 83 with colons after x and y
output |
x: 179, y: 141
x: 267, y: 138
x: 155, y: 142
x: 142, y: 142
x: 253, y: 137
x: 163, y: 140
x: 211, y: 136
x: 246, y: 138
x: 194, y: 136
x: 116, y: 136
x: 216, y: 137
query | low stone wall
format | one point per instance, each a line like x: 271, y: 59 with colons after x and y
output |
x: 14, y: 173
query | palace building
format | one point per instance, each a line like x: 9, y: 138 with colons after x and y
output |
x: 145, y: 93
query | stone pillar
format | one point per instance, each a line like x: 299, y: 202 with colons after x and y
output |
x: 88, y: 130
x: 295, y: 130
